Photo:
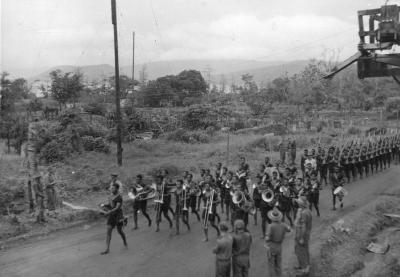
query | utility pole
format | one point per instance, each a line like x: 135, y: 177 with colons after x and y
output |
x: 117, y: 93
x: 133, y: 63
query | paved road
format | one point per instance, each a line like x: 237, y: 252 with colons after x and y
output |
x: 75, y: 252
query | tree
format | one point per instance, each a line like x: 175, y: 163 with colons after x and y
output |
x: 125, y: 84
x: 173, y: 89
x: 66, y: 87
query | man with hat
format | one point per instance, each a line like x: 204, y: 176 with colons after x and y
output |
x: 273, y: 242
x: 114, y: 180
x: 241, y: 250
x: 303, y: 224
x: 223, y: 252
x: 39, y: 196
x: 140, y: 203
x: 51, y: 193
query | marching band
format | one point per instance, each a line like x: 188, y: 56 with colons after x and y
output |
x: 236, y: 195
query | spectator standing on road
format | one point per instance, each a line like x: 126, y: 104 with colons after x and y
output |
x: 273, y: 242
x: 241, y: 250
x: 223, y: 252
x: 303, y: 226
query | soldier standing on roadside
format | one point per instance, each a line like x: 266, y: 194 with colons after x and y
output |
x: 39, y: 195
x: 241, y: 250
x: 223, y: 252
x: 273, y: 242
x: 303, y: 227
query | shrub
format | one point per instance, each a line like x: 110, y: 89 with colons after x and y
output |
x: 95, y: 108
x: 95, y: 144
x: 56, y: 150
x: 353, y: 131
x: 181, y: 135
x: 172, y: 170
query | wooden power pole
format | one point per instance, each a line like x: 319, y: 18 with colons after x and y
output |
x: 133, y: 62
x: 117, y: 92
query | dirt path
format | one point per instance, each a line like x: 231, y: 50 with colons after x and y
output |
x: 75, y: 252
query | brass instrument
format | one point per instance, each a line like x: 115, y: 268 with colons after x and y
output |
x: 208, y: 209
x: 160, y: 198
x: 239, y: 198
x: 268, y: 196
x: 185, y: 187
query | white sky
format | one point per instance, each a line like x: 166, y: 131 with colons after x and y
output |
x: 41, y: 33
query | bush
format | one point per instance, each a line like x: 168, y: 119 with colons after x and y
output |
x: 353, y: 131
x: 172, y: 170
x: 95, y: 108
x: 181, y: 135
x: 55, y: 150
x: 95, y: 144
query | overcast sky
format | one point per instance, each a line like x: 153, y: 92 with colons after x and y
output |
x: 43, y: 33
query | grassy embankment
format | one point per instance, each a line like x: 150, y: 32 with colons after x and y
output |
x: 344, y: 254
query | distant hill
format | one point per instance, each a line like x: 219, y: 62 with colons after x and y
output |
x: 91, y: 72
x: 261, y: 70
x: 266, y: 73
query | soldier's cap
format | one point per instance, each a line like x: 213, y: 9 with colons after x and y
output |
x: 114, y: 174
x: 275, y: 215
x: 239, y: 224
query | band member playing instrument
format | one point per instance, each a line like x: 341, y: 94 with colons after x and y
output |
x: 243, y: 172
x: 194, y: 193
x: 220, y: 173
x: 163, y: 201
x: 211, y: 195
x: 226, y: 193
x: 115, y: 216
x: 265, y: 207
x: 267, y: 162
x: 237, y: 212
x: 182, y: 204
x: 313, y: 196
x: 140, y: 203
x: 168, y: 182
x: 284, y: 200
x: 256, y: 195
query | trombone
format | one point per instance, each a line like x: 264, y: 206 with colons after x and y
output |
x: 185, y: 197
x: 159, y: 201
x: 208, y: 209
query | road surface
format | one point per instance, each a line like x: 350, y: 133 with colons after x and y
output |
x: 76, y: 252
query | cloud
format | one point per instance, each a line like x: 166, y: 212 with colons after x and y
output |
x: 249, y: 37
x: 48, y: 32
